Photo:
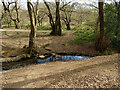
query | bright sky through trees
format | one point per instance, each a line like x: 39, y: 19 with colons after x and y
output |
x: 22, y: 3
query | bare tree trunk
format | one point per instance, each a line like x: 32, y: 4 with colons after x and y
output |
x: 53, y: 28
x: 7, y: 8
x: 101, y: 18
x: 17, y: 21
x: 40, y: 20
x: 68, y: 26
x: 1, y: 21
x: 56, y: 26
x: 68, y: 14
x: 67, y: 23
x: 33, y: 28
x: 58, y: 22
x: 17, y: 24
x: 100, y: 43
x: 8, y: 24
x: 52, y: 23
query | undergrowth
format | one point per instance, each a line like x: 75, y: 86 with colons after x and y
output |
x: 83, y: 36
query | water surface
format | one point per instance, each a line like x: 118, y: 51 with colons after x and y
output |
x: 7, y: 66
x: 63, y: 58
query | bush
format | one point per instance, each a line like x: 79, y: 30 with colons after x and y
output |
x: 111, y: 25
x: 115, y: 41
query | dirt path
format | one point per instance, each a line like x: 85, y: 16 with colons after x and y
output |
x: 100, y: 71
x: 19, y: 30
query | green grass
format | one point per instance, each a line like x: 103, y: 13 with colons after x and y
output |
x: 6, y: 25
x: 83, y: 36
x: 44, y: 28
x: 63, y: 34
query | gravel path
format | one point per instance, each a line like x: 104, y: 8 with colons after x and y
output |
x: 96, y: 72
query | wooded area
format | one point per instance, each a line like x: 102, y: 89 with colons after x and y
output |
x: 42, y: 30
x: 67, y: 10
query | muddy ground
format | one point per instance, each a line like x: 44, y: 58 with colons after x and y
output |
x: 96, y: 72
x: 13, y: 42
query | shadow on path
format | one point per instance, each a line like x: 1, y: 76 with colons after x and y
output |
x: 65, y: 74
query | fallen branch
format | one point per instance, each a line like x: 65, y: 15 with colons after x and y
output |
x: 14, y: 59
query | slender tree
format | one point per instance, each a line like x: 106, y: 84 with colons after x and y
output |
x: 101, y: 19
x: 33, y: 21
x: 67, y: 13
x: 40, y: 18
x: 101, y: 43
x: 52, y: 23
x: 56, y: 25
x: 58, y: 22
x: 7, y: 19
x: 15, y: 8
x: 1, y: 17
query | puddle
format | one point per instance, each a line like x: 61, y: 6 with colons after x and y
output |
x: 62, y: 58
x: 22, y: 63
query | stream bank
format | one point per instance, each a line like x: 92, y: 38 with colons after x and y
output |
x: 95, y: 72
x: 7, y: 65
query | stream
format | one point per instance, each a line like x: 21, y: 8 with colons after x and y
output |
x: 22, y: 63
x: 62, y: 58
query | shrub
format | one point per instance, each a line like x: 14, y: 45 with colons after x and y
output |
x: 115, y: 42
x: 111, y: 22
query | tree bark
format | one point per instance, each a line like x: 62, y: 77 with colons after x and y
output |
x: 68, y: 26
x: 67, y: 14
x: 101, y: 19
x: 52, y: 23
x: 33, y: 28
x: 67, y: 23
x: 0, y: 23
x: 100, y: 43
x: 17, y: 21
x: 17, y: 24
x: 8, y: 24
x: 14, y: 59
x: 58, y: 22
x: 40, y: 20
x: 7, y: 8
x: 56, y: 26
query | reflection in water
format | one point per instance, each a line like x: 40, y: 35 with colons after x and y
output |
x: 63, y: 58
x: 7, y: 66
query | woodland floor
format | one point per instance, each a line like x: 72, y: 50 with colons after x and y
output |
x: 96, y: 72
x: 14, y: 40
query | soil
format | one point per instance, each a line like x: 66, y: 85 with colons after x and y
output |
x: 96, y: 72
x: 13, y: 42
